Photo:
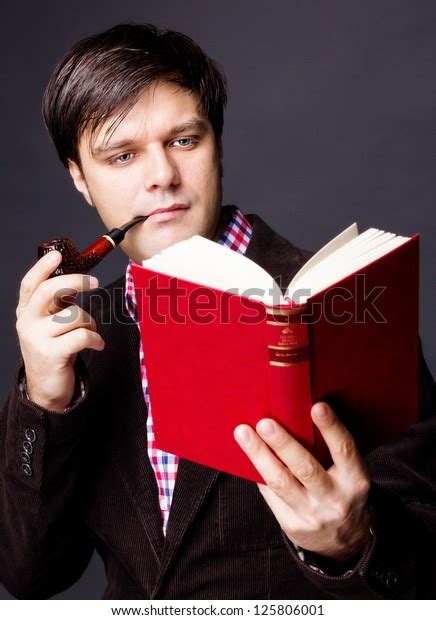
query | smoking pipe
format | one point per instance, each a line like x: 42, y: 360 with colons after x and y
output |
x: 74, y: 261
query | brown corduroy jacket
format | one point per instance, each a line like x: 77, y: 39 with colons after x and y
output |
x: 89, y: 485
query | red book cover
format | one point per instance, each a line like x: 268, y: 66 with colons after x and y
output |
x: 215, y: 359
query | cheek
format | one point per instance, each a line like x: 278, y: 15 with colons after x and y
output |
x: 113, y: 184
x: 207, y: 174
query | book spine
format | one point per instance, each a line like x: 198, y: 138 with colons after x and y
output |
x: 287, y: 338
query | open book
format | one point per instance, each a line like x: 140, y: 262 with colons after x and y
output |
x: 202, y: 261
x: 224, y: 346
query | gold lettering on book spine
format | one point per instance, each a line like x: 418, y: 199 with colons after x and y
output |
x: 287, y: 337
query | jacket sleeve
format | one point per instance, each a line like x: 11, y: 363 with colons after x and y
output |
x: 399, y: 561
x: 44, y: 546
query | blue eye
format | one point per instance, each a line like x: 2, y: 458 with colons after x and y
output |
x: 186, y: 142
x: 121, y: 158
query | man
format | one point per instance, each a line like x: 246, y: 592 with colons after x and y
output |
x: 136, y: 115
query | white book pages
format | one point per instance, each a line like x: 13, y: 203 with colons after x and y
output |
x: 372, y: 237
x: 331, y: 271
x: 334, y: 244
x: 334, y: 264
x: 207, y: 263
x: 379, y: 252
x: 341, y: 252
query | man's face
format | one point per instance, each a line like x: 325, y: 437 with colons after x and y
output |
x: 163, y: 154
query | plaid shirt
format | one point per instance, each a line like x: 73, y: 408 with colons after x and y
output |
x: 236, y: 236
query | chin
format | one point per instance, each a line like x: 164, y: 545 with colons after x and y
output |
x: 152, y: 249
x: 165, y: 236
x: 171, y: 237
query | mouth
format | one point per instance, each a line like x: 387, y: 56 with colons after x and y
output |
x: 170, y: 213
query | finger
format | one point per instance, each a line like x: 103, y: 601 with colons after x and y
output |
x: 77, y: 340
x: 285, y: 515
x: 40, y: 271
x: 303, y: 465
x: 54, y: 294
x: 275, y: 474
x: 339, y: 440
x: 68, y: 319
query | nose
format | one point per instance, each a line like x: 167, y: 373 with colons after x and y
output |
x: 161, y: 171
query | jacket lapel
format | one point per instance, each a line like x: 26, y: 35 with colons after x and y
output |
x: 193, y: 484
x: 130, y: 440
x: 278, y: 256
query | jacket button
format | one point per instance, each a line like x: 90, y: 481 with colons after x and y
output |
x: 30, y: 435
x: 27, y: 447
x: 391, y: 579
x: 26, y: 469
x: 26, y: 457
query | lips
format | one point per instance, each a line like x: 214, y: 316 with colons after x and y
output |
x: 170, y: 213
x: 174, y: 207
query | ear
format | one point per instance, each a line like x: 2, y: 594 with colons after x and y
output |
x: 79, y: 181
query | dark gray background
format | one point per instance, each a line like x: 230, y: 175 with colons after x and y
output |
x: 331, y: 120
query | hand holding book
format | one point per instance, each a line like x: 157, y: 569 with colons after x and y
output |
x: 324, y: 512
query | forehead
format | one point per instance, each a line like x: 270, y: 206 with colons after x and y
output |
x: 159, y: 109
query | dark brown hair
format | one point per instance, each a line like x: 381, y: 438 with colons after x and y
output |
x: 109, y: 71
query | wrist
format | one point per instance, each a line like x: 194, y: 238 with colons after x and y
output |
x: 337, y: 565
x: 349, y: 554
x: 58, y: 405
x: 351, y: 551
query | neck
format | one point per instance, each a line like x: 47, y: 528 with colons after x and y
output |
x: 221, y: 226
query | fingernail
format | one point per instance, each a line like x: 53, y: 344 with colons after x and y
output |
x: 321, y: 411
x: 93, y: 281
x: 53, y: 256
x: 265, y: 428
x: 242, y: 436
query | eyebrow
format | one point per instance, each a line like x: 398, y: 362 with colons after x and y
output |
x: 192, y: 124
